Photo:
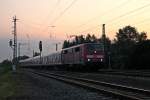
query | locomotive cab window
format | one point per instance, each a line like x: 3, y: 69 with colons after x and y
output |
x: 93, y: 47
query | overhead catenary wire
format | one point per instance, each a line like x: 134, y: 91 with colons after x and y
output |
x: 89, y: 29
x: 108, y: 22
x: 123, y: 15
x: 108, y: 11
x: 116, y: 20
x: 60, y: 15
x: 63, y: 12
x: 128, y: 13
x: 52, y: 11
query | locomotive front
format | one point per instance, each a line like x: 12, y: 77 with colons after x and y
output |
x: 94, y: 54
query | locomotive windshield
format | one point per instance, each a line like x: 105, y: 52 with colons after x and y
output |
x: 95, y: 47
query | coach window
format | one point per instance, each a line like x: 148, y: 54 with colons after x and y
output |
x: 70, y: 50
x: 77, y: 49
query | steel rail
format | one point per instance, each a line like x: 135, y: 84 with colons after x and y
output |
x: 120, y: 91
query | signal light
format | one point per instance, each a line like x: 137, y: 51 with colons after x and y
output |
x: 40, y: 46
x: 10, y: 43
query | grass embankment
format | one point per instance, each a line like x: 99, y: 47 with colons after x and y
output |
x: 7, y: 82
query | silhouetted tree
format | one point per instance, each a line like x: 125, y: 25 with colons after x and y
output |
x: 140, y: 57
x: 81, y: 39
x: 93, y: 39
x: 127, y: 34
x: 6, y: 62
x: 66, y: 44
x: 88, y: 38
x: 124, y: 44
x: 76, y: 40
x: 142, y: 37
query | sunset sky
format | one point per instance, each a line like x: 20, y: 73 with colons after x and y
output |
x: 69, y: 17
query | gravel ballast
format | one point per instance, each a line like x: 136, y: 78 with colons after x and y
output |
x: 35, y: 87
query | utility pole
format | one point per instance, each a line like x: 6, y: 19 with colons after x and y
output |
x: 104, y: 37
x: 104, y: 42
x: 15, y: 44
x: 106, y: 53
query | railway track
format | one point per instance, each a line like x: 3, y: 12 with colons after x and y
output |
x: 118, y: 91
x: 128, y: 73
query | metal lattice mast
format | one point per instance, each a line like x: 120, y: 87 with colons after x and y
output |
x: 104, y: 37
x: 15, y: 40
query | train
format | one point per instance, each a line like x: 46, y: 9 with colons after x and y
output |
x: 86, y: 56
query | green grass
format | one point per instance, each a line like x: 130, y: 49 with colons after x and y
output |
x: 7, y: 82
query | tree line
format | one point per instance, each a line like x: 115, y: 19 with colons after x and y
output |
x: 129, y: 49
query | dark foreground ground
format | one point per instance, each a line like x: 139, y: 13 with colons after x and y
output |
x: 33, y: 87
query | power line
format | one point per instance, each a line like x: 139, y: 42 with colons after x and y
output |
x: 50, y: 14
x: 128, y: 13
x: 52, y: 11
x: 63, y: 12
x: 143, y: 21
x: 108, y: 11
x: 123, y: 15
x: 89, y: 29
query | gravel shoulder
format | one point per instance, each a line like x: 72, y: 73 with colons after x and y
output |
x: 34, y: 87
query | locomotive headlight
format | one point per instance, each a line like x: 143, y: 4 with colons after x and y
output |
x: 101, y: 59
x: 89, y: 59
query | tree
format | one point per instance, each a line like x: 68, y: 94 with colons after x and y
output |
x: 93, y: 39
x: 126, y: 39
x: 140, y: 57
x: 6, y: 62
x: 88, y: 38
x: 81, y: 39
x: 125, y: 45
x: 77, y: 40
x: 66, y: 44
x: 127, y: 34
x: 142, y: 36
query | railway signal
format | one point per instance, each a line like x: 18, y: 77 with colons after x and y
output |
x: 10, y: 43
x: 40, y: 46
